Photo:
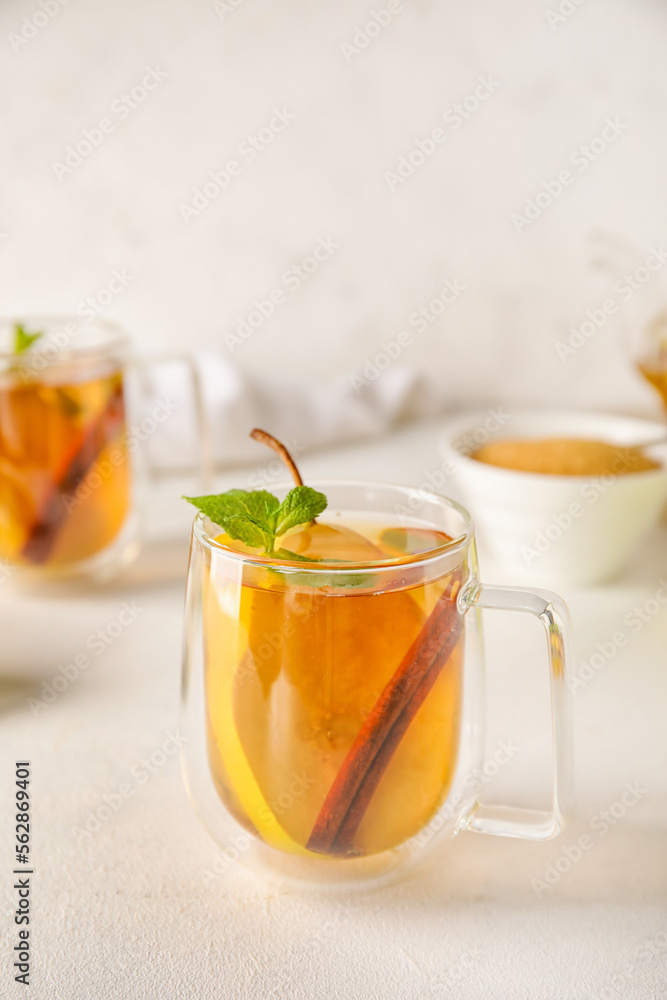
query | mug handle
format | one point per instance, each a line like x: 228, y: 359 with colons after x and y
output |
x: 190, y: 386
x: 508, y: 821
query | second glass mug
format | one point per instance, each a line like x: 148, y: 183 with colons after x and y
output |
x: 333, y: 715
x: 68, y: 484
x: 73, y: 466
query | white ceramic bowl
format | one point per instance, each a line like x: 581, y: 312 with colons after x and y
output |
x: 553, y: 530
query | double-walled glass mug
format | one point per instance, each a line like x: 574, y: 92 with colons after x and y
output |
x: 333, y: 712
x: 68, y: 490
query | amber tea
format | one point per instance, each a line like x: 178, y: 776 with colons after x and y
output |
x: 302, y: 682
x: 64, y: 471
x: 657, y: 377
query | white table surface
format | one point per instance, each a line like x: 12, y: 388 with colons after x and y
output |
x: 129, y: 914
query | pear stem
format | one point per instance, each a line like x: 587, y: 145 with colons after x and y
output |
x: 268, y: 439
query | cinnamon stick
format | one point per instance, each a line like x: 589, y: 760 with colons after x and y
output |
x: 44, y: 530
x: 383, y: 729
x: 343, y: 844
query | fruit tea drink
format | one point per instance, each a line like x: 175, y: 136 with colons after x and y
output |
x: 334, y: 705
x: 64, y: 475
x: 657, y: 376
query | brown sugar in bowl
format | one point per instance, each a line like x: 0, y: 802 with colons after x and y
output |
x: 565, y: 457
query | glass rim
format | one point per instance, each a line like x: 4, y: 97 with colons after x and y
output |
x: 346, y: 568
x: 71, y: 353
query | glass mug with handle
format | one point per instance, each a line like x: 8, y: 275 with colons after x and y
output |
x: 333, y: 711
x: 77, y: 417
x: 68, y: 481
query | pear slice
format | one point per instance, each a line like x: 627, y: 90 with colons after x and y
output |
x: 397, y: 542
x: 330, y: 543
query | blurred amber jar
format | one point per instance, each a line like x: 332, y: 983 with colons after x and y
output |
x: 65, y: 471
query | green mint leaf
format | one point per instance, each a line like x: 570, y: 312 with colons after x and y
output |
x: 294, y: 556
x: 300, y: 505
x: 256, y: 517
x: 365, y: 580
x: 249, y: 516
x: 320, y: 579
x: 258, y: 506
x: 247, y: 531
x: 23, y: 340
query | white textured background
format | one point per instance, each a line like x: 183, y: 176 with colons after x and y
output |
x: 128, y: 914
x: 325, y: 174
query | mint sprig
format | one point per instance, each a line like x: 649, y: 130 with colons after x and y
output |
x: 24, y: 340
x: 258, y: 518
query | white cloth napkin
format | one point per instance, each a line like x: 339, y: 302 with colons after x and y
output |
x: 195, y: 412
